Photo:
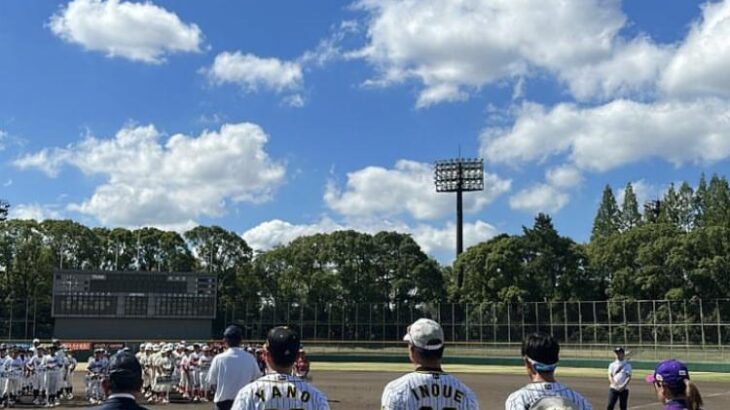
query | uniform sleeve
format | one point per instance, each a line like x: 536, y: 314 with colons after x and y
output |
x: 389, y: 400
x: 585, y: 404
x: 473, y: 402
x: 241, y: 402
x: 514, y: 402
x: 323, y: 403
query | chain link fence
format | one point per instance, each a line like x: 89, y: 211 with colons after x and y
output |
x: 644, y: 324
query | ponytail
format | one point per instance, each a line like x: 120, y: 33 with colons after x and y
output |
x: 694, y: 399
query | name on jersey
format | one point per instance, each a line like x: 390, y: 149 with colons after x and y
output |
x: 435, y: 390
x: 290, y: 393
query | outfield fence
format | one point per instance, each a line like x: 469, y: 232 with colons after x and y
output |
x: 647, y: 324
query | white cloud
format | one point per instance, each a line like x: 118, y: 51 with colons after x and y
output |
x: 615, y: 134
x: 150, y: 182
x: 34, y: 211
x: 276, y: 232
x: 701, y: 66
x: 135, y: 31
x: 539, y: 198
x: 3, y: 137
x: 405, y: 189
x: 252, y: 73
x: 432, y: 239
x: 643, y: 190
x: 453, y: 47
x: 564, y: 176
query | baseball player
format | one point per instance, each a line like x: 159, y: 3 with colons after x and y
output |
x: 69, y: 368
x: 34, y: 367
x: 13, y: 367
x: 95, y: 372
x: 194, y: 372
x: 619, y: 376
x: 164, y: 370
x: 428, y: 386
x: 279, y: 389
x: 541, y: 352
x: 52, y: 376
x: 204, y: 362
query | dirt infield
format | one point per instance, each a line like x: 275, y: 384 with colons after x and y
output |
x: 362, y: 389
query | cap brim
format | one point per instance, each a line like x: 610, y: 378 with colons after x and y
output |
x: 407, y: 338
x: 650, y: 378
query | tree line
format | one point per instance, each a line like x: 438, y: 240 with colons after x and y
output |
x: 675, y: 247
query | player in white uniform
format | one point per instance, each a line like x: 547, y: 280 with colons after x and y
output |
x: 3, y: 376
x: 164, y: 375
x: 541, y: 353
x: 36, y: 373
x: 619, y: 377
x: 96, y: 370
x: 146, y: 362
x: 194, y: 372
x: 52, y: 376
x: 279, y: 389
x: 13, y: 368
x: 428, y: 386
x: 204, y: 362
x: 68, y: 372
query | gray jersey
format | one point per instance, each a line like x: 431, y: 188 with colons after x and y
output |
x: 429, y: 389
x: 280, y: 391
x: 524, y: 398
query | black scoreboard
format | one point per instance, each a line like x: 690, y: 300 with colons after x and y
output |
x: 108, y: 294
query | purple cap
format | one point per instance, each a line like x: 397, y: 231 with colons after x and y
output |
x: 671, y: 372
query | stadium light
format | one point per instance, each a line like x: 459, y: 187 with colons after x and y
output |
x: 459, y: 175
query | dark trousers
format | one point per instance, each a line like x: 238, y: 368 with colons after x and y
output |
x: 224, y: 405
x: 621, y: 396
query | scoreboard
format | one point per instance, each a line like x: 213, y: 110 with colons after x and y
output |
x: 109, y: 294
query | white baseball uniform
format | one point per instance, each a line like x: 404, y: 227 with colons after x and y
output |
x: 280, y: 391
x: 525, y: 397
x: 428, y: 389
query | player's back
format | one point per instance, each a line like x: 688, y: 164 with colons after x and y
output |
x: 280, y: 391
x: 526, y: 397
x: 429, y: 389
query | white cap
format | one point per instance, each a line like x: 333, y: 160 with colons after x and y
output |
x: 425, y: 334
x: 36, y: 341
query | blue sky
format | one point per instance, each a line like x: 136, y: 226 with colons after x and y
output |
x: 276, y: 119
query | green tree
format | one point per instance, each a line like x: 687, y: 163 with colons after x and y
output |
x: 685, y: 207
x: 4, y: 209
x: 630, y: 216
x: 607, y: 220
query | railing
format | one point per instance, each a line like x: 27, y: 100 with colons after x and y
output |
x: 647, y: 324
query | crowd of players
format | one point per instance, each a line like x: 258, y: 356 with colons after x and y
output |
x: 43, y: 372
x: 277, y: 371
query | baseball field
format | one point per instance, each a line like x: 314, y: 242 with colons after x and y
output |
x: 359, y: 385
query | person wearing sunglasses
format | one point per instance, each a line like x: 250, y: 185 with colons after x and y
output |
x: 673, y: 387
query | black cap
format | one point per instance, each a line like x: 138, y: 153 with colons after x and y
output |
x: 618, y: 349
x: 124, y: 368
x: 283, y: 345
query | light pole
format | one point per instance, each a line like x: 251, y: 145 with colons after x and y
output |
x: 459, y: 175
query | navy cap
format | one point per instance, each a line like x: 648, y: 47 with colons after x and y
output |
x: 124, y: 366
x: 233, y: 332
x: 618, y: 349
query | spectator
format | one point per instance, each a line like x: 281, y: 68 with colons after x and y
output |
x: 428, y: 386
x: 673, y: 387
x: 619, y: 376
x: 541, y: 353
x: 124, y: 381
x: 231, y: 370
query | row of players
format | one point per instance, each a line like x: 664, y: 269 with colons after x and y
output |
x: 43, y: 371
x: 181, y: 367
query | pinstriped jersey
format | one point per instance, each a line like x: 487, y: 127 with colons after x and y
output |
x: 282, y: 392
x: 428, y: 390
x: 527, y: 396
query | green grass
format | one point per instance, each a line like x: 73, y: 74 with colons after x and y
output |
x: 481, y: 369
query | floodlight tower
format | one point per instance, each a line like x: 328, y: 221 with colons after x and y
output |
x: 459, y: 175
